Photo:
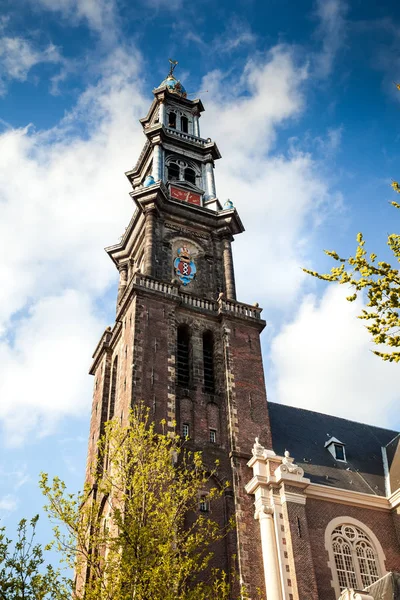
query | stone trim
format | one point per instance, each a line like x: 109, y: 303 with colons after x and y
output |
x: 322, y: 492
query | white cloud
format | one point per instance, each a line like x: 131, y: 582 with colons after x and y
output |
x: 8, y: 503
x: 280, y: 197
x: 100, y: 15
x: 45, y: 368
x: 322, y: 361
x: 18, y: 56
x: 63, y: 197
x: 332, y: 31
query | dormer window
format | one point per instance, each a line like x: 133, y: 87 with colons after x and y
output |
x: 336, y: 448
x: 184, y: 124
x: 339, y: 451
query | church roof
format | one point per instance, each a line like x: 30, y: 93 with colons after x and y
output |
x: 304, y: 433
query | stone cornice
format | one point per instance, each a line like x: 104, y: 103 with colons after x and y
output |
x: 394, y: 499
x: 350, y: 497
x: 107, y: 340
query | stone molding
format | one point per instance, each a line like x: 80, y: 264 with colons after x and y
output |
x: 330, y: 494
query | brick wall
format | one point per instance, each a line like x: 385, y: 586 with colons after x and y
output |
x: 320, y: 513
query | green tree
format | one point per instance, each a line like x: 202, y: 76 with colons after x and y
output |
x: 380, y: 281
x: 137, y: 533
x: 23, y: 572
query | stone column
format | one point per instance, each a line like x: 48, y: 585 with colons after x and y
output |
x: 228, y: 269
x: 210, y: 180
x: 157, y: 162
x: 196, y: 123
x: 149, y: 241
x: 269, y: 552
x: 162, y: 114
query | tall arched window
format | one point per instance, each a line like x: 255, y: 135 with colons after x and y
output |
x: 111, y: 403
x: 172, y: 120
x: 356, y: 555
x: 184, y: 124
x: 190, y: 175
x: 183, y: 356
x: 208, y: 361
x: 173, y: 172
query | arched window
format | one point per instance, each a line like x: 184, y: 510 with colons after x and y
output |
x: 356, y: 555
x: 172, y: 120
x: 190, y: 175
x: 183, y: 357
x: 208, y: 361
x: 184, y: 124
x: 173, y: 172
x: 111, y: 403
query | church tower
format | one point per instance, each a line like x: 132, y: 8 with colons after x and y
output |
x: 181, y: 342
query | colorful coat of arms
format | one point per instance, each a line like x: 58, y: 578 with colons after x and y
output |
x: 184, y: 266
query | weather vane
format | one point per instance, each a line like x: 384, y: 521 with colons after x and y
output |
x: 173, y: 64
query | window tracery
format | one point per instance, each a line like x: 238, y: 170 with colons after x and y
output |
x: 355, y: 557
x: 181, y: 170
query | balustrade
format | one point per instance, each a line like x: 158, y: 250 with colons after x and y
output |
x: 220, y: 306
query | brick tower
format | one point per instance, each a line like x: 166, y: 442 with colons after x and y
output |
x: 181, y: 341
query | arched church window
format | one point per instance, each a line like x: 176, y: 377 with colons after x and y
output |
x: 208, y: 361
x: 111, y: 403
x: 190, y: 175
x: 173, y: 172
x: 184, y: 124
x: 356, y: 559
x: 172, y: 120
x: 183, y: 356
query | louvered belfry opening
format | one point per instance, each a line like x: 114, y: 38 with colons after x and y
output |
x: 208, y: 361
x: 183, y: 356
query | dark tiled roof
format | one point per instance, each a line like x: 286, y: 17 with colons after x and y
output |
x: 304, y: 433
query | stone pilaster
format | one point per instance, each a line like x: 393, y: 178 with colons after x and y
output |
x: 228, y: 269
x: 149, y: 246
x: 210, y: 182
x: 281, y: 483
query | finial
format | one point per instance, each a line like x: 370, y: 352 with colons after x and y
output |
x: 173, y: 64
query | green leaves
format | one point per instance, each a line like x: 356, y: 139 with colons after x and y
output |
x: 136, y: 531
x: 381, y: 284
x: 23, y: 572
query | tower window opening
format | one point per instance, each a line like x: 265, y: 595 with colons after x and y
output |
x: 213, y: 436
x: 183, y: 358
x: 208, y: 361
x: 185, y: 430
x: 111, y: 404
x: 190, y: 175
x: 172, y: 120
x: 204, y: 505
x: 184, y: 124
x: 173, y: 172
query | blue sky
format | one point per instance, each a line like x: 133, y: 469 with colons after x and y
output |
x: 299, y: 97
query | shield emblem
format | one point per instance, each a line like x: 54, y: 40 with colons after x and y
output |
x: 184, y: 266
